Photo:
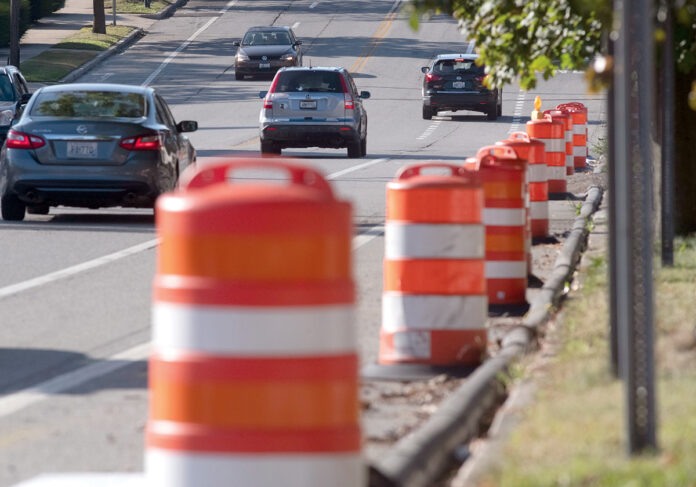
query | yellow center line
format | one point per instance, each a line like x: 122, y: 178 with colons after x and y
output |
x: 382, y: 31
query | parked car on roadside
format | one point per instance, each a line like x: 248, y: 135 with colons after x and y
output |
x: 313, y: 107
x: 264, y: 50
x: 455, y: 82
x: 14, y: 93
x: 92, y: 145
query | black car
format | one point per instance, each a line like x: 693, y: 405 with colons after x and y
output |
x: 14, y: 92
x: 92, y: 145
x: 455, y: 82
x: 264, y: 50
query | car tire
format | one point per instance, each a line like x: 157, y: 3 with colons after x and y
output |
x: 238, y: 76
x: 492, y: 113
x: 270, y: 148
x: 427, y: 113
x: 355, y: 149
x: 363, y: 147
x: 12, y: 208
x: 38, y: 209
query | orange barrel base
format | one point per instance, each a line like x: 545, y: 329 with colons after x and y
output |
x: 540, y: 228
x: 437, y: 347
x: 508, y: 290
x: 558, y: 186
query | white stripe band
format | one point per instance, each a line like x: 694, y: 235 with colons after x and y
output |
x: 569, y: 160
x: 180, y: 469
x: 539, y: 210
x: 569, y: 136
x: 258, y: 331
x: 504, y: 216
x: 580, y: 151
x: 579, y: 128
x: 554, y: 145
x: 509, y: 269
x: 556, y: 173
x: 433, y: 312
x: 536, y: 173
x: 87, y: 480
x: 453, y: 241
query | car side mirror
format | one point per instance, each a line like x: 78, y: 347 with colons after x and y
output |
x: 262, y: 94
x: 187, y: 126
x: 23, y: 100
x: 365, y: 94
x: 236, y: 43
x: 298, y: 42
x: 425, y: 69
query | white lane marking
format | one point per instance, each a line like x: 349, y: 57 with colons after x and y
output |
x: 431, y: 128
x: 105, y: 76
x: 17, y: 401
x: 517, y: 115
x: 184, y: 45
x: 13, y: 289
x: 337, y: 174
x: 22, y: 399
x: 295, y: 25
x: 314, y: 5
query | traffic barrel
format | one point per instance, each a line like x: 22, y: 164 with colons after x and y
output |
x: 504, y: 175
x: 434, y: 306
x: 578, y: 112
x: 552, y: 134
x: 534, y: 152
x: 254, y: 367
x: 567, y: 121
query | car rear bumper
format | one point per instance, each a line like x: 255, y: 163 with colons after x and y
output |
x: 134, y: 184
x: 335, y: 136
x: 479, y: 102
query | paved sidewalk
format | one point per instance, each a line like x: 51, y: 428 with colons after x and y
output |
x: 64, y: 22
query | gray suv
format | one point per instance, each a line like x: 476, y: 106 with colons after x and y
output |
x: 313, y: 107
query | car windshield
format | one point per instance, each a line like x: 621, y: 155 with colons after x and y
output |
x: 311, y: 81
x: 6, y: 91
x: 90, y: 104
x: 266, y: 38
x: 458, y: 66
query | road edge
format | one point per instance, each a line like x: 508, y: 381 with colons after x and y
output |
x: 420, y: 458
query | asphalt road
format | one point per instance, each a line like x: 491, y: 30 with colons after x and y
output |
x: 75, y: 286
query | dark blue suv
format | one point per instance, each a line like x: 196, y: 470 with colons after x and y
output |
x: 14, y: 93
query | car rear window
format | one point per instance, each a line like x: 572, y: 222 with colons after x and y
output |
x: 311, y: 81
x: 454, y: 66
x: 267, y: 38
x: 90, y: 104
x: 6, y: 91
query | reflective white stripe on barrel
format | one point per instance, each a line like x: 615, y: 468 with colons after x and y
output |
x: 537, y: 173
x: 539, y: 210
x: 509, y: 269
x: 580, y: 151
x: 569, y: 160
x: 433, y: 312
x: 180, y: 469
x: 554, y: 145
x: 556, y: 173
x: 287, y: 331
x: 441, y: 241
x: 504, y: 217
x: 579, y: 128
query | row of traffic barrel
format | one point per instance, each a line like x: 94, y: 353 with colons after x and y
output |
x: 254, y: 374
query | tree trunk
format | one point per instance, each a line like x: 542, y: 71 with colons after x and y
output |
x: 99, y: 26
x: 685, y: 155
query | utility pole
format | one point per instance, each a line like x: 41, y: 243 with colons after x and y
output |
x: 14, y: 32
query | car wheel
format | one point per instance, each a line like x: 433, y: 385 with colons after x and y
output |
x: 363, y: 147
x: 12, y: 208
x: 38, y: 209
x: 355, y: 149
x: 427, y: 113
x: 492, y: 113
x: 270, y: 148
x: 238, y: 76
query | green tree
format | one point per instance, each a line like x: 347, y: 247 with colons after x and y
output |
x: 526, y: 39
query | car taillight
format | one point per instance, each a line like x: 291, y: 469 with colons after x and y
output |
x: 20, y: 140
x: 267, y: 102
x: 142, y: 142
x: 483, y: 80
x: 348, y: 102
x: 432, y: 77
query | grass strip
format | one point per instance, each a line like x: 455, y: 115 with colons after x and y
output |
x: 87, y: 40
x: 574, y: 433
x: 137, y: 7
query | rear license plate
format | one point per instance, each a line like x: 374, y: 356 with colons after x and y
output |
x: 264, y: 65
x: 459, y: 84
x: 308, y: 104
x: 82, y: 150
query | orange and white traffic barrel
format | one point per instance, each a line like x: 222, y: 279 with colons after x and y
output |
x: 534, y: 152
x: 434, y: 306
x: 504, y: 175
x: 552, y: 134
x: 578, y: 113
x: 254, y: 368
x: 567, y: 121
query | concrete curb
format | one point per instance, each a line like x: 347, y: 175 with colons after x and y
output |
x: 167, y: 12
x: 420, y: 458
x: 124, y: 43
